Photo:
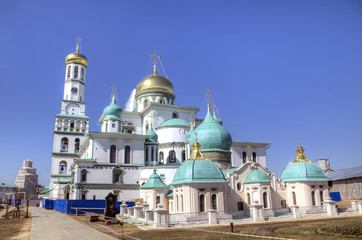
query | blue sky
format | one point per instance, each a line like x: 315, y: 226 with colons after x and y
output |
x: 279, y: 70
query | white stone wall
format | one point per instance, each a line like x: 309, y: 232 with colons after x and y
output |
x: 236, y: 155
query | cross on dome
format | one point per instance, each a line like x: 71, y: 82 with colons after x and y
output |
x: 208, y: 93
x: 155, y: 56
x: 114, y: 89
x: 78, y: 39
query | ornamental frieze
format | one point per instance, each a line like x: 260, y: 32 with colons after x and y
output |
x: 92, y: 186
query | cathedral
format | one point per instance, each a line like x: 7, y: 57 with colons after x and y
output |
x: 158, y: 152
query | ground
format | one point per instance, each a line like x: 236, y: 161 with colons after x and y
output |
x: 15, y: 228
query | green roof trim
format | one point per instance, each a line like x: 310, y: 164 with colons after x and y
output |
x: 62, y: 180
x: 71, y: 115
x: 174, y: 122
x: 154, y: 182
x: 256, y: 176
x: 8, y: 186
x: 198, y: 171
x: 302, y: 172
x: 226, y: 171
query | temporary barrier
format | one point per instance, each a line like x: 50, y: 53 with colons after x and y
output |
x: 335, y: 196
x: 48, y: 204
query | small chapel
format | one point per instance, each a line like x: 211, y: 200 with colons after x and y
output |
x: 158, y: 152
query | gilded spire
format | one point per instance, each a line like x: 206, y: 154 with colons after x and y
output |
x: 208, y: 93
x: 214, y: 107
x: 154, y: 62
x: 300, y: 154
x: 114, y: 92
x: 196, y: 150
x: 78, y: 39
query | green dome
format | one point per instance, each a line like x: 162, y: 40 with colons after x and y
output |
x: 112, y: 111
x: 154, y: 182
x: 303, y: 171
x: 256, y: 176
x: 153, y: 137
x: 217, y: 119
x: 190, y: 133
x: 211, y: 135
x: 174, y: 122
x: 198, y: 171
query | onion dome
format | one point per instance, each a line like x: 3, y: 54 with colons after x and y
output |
x: 190, y: 132
x: 174, y: 122
x: 256, y: 176
x: 217, y: 119
x: 113, y: 110
x: 153, y: 137
x: 155, y: 83
x: 302, y: 169
x: 198, y: 169
x: 76, y: 57
x: 212, y: 136
x: 154, y: 182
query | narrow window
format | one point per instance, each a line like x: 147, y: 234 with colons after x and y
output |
x: 68, y: 73
x: 244, y: 157
x: 321, y: 197
x: 84, y: 176
x: 146, y: 150
x: 129, y: 131
x: 254, y: 157
x: 117, y: 175
x: 94, y: 197
x: 152, y: 153
x: 176, y: 202
x: 294, y: 198
x: 240, y: 206
x: 145, y: 103
x: 238, y: 186
x: 161, y: 157
x: 64, y: 145
x: 158, y: 200
x: 174, y: 115
x: 202, y: 203
x: 313, y: 198
x: 172, y: 156
x: 248, y: 198
x: 147, y: 127
x: 265, y: 200
x: 63, y: 167
x: 82, y: 73
x: 112, y: 154
x: 162, y: 101
x: 72, y: 124
x: 76, y: 145
x: 213, y: 202
x: 183, y: 155
x: 283, y: 204
x: 127, y: 155
x: 76, y: 69
x: 182, y: 203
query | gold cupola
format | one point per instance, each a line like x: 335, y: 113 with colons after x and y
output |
x: 155, y: 83
x: 76, y: 57
x: 300, y: 154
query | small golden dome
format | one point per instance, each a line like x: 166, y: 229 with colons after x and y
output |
x: 155, y: 82
x: 76, y: 57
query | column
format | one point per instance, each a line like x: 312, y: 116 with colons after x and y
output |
x: 296, y: 212
x: 212, y: 216
x: 331, y: 207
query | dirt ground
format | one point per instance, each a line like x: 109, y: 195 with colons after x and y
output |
x: 15, y: 228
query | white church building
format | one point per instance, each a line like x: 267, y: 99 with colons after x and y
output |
x: 160, y: 152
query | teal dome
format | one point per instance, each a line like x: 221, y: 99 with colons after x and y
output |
x: 174, y: 122
x: 198, y: 171
x: 153, y: 137
x: 112, y: 111
x: 256, y: 176
x: 190, y: 133
x: 211, y: 135
x: 154, y: 181
x: 217, y: 119
x: 303, y: 171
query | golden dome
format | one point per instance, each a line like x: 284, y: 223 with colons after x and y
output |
x: 155, y: 82
x: 76, y: 57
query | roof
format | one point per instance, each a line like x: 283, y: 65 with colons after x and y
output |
x: 345, y: 173
x: 303, y: 171
x: 154, y: 182
x: 226, y: 171
x: 174, y: 122
x: 153, y: 137
x: 72, y: 115
x: 8, y: 186
x: 112, y: 110
x: 256, y: 176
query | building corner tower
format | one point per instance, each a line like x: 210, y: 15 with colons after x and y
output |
x: 70, y: 126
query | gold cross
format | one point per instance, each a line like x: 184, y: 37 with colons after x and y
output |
x: 78, y: 39
x: 208, y: 93
x: 155, y: 61
x: 249, y: 149
x: 114, y: 91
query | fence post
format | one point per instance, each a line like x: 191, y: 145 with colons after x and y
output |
x: 212, y: 216
x: 27, y: 208
x: 137, y: 210
x: 160, y: 218
x: 295, y: 211
x: 257, y: 211
x: 123, y: 208
x: 331, y: 207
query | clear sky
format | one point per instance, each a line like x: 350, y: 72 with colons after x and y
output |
x: 279, y: 70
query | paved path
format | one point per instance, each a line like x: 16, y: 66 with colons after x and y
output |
x: 49, y: 224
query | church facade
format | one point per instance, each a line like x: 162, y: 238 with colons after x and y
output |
x: 158, y: 152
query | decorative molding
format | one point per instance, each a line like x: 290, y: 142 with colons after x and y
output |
x: 213, y: 189
x: 202, y: 189
x: 94, y: 186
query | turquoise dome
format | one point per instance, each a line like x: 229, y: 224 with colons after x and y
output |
x: 303, y: 171
x: 190, y: 133
x: 153, y: 137
x: 256, y: 176
x: 217, y: 119
x: 174, y: 122
x: 198, y: 171
x: 112, y: 111
x: 211, y: 135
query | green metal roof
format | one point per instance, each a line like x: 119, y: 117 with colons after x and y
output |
x: 198, y: 171
x: 153, y: 137
x: 190, y: 132
x: 113, y: 110
x: 217, y: 119
x: 226, y: 171
x: 72, y: 115
x: 170, y: 191
x: 8, y: 186
x: 154, y: 182
x: 211, y: 135
x: 303, y: 171
x: 174, y: 122
x: 62, y: 180
x: 256, y: 176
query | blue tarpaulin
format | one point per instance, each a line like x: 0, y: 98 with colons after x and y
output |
x: 335, y: 196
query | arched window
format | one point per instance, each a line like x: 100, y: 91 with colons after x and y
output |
x: 240, y: 206
x: 63, y: 167
x: 265, y: 200
x: 129, y: 131
x: 294, y: 198
x: 68, y: 73
x: 71, y: 125
x: 158, y: 200
x: 248, y: 198
x: 146, y: 153
x: 176, y: 202
x: 82, y: 73
x: 175, y: 115
x: 183, y: 155
x: 172, y: 156
x: 321, y: 197
x: 76, y: 71
x: 127, y: 155
x: 244, y: 157
x: 76, y: 145
x: 117, y: 175
x: 152, y: 153
x: 202, y: 203
x: 238, y: 186
x: 64, y: 145
x: 283, y: 204
x: 162, y: 101
x: 254, y: 157
x: 145, y: 103
x: 313, y: 198
x: 213, y: 202
x: 161, y: 157
x: 147, y: 127
x: 182, y: 203
x: 84, y: 176
x: 112, y: 154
